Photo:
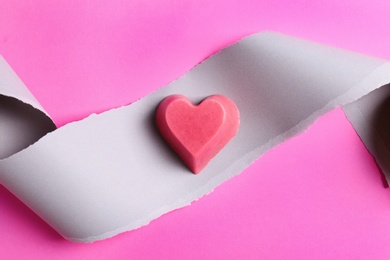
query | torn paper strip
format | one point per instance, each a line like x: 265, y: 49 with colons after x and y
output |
x: 112, y: 172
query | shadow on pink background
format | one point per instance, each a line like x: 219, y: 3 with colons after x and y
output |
x: 318, y: 196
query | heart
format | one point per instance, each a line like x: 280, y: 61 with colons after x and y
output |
x: 197, y: 133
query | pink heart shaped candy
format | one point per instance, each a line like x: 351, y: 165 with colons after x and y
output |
x: 197, y: 132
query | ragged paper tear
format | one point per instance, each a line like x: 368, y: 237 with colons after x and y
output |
x: 112, y: 172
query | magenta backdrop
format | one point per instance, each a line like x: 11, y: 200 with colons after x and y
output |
x: 318, y: 196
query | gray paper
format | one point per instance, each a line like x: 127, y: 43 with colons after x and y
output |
x: 370, y: 116
x: 112, y: 172
x: 22, y: 119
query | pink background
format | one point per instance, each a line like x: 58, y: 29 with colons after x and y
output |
x: 318, y: 196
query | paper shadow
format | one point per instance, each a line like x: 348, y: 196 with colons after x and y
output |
x: 20, y: 126
x: 380, y: 135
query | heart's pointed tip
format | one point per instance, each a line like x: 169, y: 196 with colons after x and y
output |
x: 196, y: 169
x: 196, y: 172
